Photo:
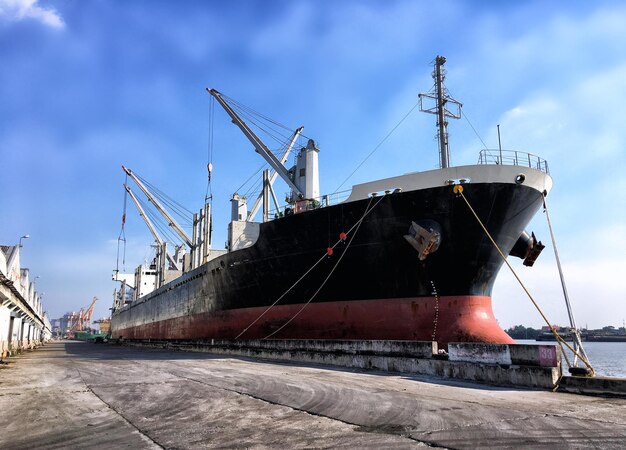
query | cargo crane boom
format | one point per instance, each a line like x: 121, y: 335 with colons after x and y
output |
x: 186, y: 239
x: 88, y: 313
x: 81, y: 321
x: 274, y: 174
x: 150, y: 226
x: 259, y: 146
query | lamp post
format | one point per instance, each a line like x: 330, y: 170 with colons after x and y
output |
x: 26, y: 236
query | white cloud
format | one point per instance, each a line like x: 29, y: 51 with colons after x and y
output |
x: 16, y: 10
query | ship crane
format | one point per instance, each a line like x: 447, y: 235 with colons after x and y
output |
x: 198, y: 246
x: 104, y: 324
x: 80, y: 321
x: 87, y: 314
x: 302, y: 178
x: 170, y: 220
x: 272, y: 176
x: 151, y: 227
x: 259, y: 146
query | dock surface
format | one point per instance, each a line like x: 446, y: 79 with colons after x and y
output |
x: 72, y: 394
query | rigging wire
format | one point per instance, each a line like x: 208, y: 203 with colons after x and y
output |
x: 253, y: 190
x: 160, y: 224
x: 250, y: 178
x: 377, y: 147
x: 256, y: 117
x: 209, y: 192
x: 458, y: 190
x: 358, y: 225
x: 473, y: 129
x: 169, y: 201
x: 122, y: 235
x: 252, y: 111
x: 264, y: 125
x: 269, y: 131
x: 324, y: 256
x: 575, y: 333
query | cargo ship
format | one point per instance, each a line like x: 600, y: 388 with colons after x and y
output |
x: 401, y: 258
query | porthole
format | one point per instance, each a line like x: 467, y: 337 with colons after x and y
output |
x: 520, y: 178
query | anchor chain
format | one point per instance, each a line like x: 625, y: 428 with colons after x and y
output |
x: 436, y: 319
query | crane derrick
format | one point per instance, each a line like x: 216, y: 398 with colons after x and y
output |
x: 81, y: 320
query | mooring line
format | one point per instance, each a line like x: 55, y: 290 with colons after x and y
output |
x: 329, y: 275
x: 458, y: 189
x: 341, y: 239
x: 576, y: 335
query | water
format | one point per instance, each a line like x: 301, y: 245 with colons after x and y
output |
x: 608, y: 358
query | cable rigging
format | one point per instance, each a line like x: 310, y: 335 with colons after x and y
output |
x: 329, y: 252
x: 376, y: 147
x: 181, y: 211
x: 122, y: 237
x: 268, y: 127
x: 208, y: 196
x: 473, y: 129
x: 263, y: 123
x: 577, y: 351
x: 159, y: 222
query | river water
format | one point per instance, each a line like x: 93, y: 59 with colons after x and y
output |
x: 608, y: 358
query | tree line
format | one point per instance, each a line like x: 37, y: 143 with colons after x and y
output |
x: 522, y: 332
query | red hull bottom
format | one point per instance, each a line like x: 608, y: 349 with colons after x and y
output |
x: 447, y: 319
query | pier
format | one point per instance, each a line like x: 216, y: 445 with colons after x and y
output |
x: 71, y: 394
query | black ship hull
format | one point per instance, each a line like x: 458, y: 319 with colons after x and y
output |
x: 371, y: 285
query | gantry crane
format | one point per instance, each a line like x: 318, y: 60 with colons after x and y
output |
x: 80, y: 321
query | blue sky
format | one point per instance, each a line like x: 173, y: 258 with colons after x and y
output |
x: 86, y: 86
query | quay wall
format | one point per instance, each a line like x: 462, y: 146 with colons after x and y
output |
x: 501, y: 365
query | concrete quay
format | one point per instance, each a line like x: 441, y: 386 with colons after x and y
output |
x: 493, y: 364
x: 82, y: 395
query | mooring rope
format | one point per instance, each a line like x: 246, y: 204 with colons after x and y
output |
x: 577, y: 343
x: 326, y: 254
x: 330, y: 273
x: 458, y: 189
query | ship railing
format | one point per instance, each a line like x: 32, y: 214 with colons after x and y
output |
x: 334, y: 198
x: 310, y: 204
x: 513, y: 158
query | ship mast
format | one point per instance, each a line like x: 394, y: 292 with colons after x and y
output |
x: 442, y: 99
